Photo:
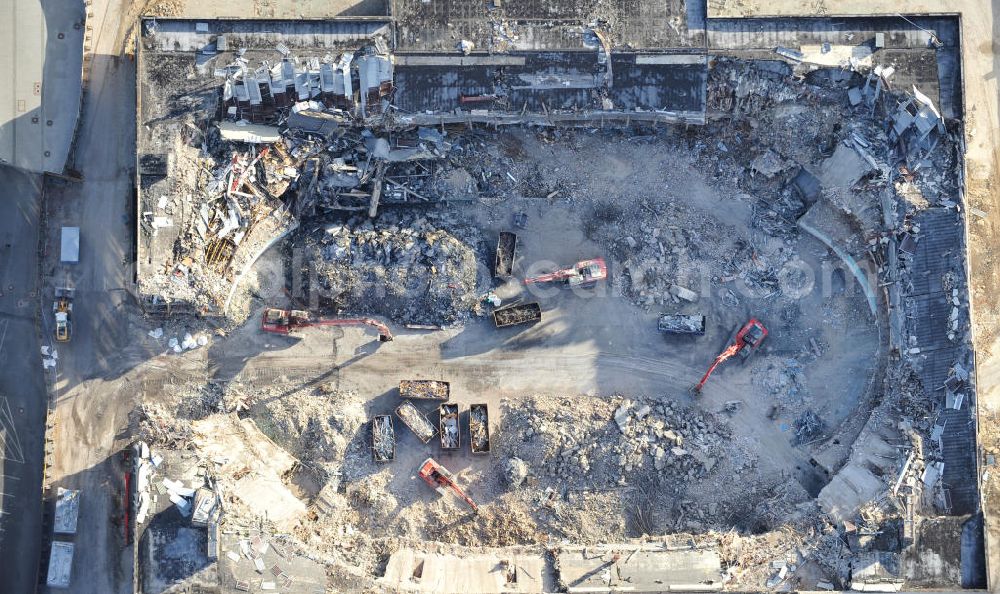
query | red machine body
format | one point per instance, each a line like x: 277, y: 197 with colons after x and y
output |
x: 747, y: 340
x: 286, y: 321
x: 438, y: 478
x: 582, y: 274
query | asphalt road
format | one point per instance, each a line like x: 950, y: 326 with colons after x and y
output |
x: 92, y: 402
x: 22, y: 383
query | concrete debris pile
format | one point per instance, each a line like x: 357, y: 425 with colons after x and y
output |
x: 236, y: 212
x: 782, y: 380
x: 410, y: 268
x: 659, y: 256
x: 156, y: 425
x: 573, y: 442
x: 802, y: 555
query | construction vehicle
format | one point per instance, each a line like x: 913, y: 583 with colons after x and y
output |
x: 582, y: 274
x: 747, y: 340
x: 62, y: 307
x: 438, y: 478
x: 286, y: 321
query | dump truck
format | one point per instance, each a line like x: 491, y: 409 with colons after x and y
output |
x: 681, y: 324
x: 69, y: 252
x: 415, y: 420
x: 451, y: 435
x: 479, y: 429
x: 425, y: 389
x: 62, y: 310
x: 522, y: 313
x: 383, y: 439
x: 504, y: 264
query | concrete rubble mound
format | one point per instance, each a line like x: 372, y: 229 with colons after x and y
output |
x: 405, y: 268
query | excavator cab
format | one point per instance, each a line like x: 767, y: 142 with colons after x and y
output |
x: 589, y: 272
x: 283, y: 321
x: 751, y: 336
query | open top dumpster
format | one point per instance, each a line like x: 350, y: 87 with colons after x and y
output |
x: 504, y: 265
x: 681, y: 324
x: 383, y: 439
x: 522, y: 313
x: 424, y: 389
x: 415, y: 420
x: 451, y: 436
x: 479, y: 428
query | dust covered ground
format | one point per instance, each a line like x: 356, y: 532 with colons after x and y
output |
x: 597, y: 435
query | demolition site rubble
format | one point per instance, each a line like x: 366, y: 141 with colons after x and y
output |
x: 820, y: 195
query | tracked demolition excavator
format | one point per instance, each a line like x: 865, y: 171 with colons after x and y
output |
x: 438, y: 478
x: 582, y: 274
x: 286, y: 321
x: 747, y: 340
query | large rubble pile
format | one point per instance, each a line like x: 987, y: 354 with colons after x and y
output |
x: 408, y: 267
x: 564, y: 446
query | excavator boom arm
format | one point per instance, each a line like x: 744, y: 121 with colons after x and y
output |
x: 282, y: 322
x: 726, y: 354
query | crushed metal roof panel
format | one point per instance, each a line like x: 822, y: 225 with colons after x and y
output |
x: 525, y: 25
x: 546, y: 81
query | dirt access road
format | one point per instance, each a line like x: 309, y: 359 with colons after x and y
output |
x: 88, y: 386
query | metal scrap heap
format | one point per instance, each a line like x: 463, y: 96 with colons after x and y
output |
x: 426, y: 389
x: 383, y: 438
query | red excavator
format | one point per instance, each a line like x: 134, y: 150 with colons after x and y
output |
x: 581, y: 274
x: 286, y: 321
x: 438, y: 478
x: 747, y: 340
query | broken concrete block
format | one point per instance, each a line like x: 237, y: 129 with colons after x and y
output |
x: 685, y: 294
x: 621, y: 416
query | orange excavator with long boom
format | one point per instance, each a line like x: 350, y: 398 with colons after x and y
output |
x: 286, y: 321
x: 438, y: 478
x: 747, y: 340
x: 582, y: 274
